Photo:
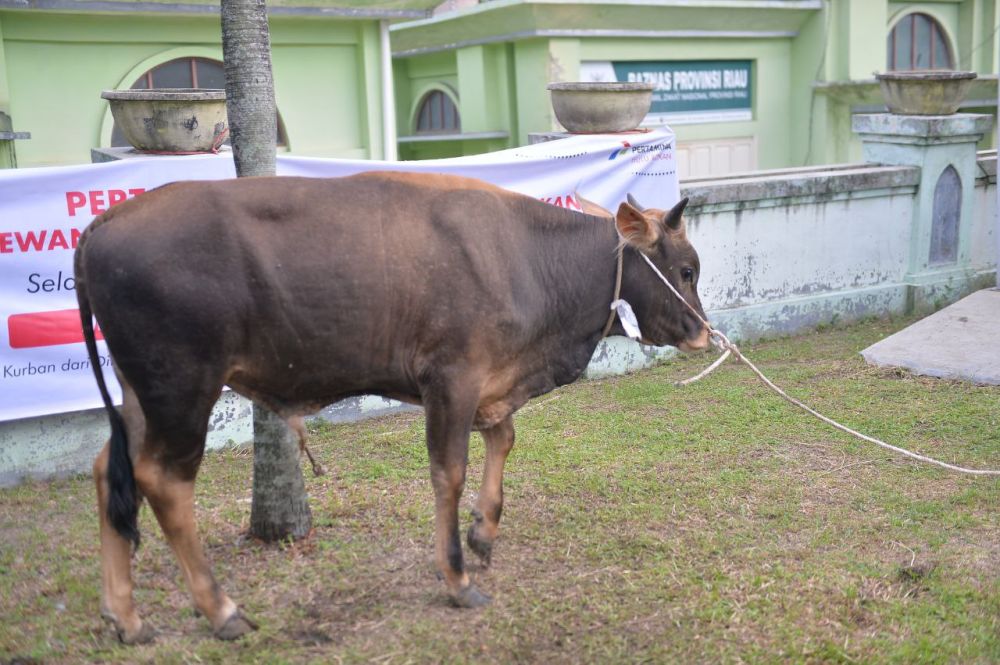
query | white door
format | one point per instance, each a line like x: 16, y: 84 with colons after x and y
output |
x: 715, y: 158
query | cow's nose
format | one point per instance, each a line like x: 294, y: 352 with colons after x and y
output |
x: 699, y: 343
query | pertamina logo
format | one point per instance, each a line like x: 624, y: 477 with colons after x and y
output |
x: 651, y: 152
x: 620, y: 151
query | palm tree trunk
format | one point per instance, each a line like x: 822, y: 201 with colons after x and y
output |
x: 280, y: 507
x: 246, y: 48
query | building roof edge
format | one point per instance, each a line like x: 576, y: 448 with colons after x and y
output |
x: 206, y: 7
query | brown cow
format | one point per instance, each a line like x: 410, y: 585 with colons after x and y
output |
x: 298, y: 292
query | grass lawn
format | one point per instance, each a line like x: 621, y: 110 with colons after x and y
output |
x: 643, y: 523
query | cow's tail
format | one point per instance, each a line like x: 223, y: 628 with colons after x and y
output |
x: 123, y: 502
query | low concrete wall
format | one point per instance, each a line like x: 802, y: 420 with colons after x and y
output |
x: 984, y: 257
x: 781, y: 251
x: 67, y: 443
x: 786, y: 250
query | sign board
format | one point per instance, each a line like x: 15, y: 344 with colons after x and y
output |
x: 687, y: 91
x: 43, y: 363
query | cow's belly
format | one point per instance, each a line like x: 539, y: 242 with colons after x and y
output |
x: 502, y: 394
x: 302, y: 378
x: 303, y: 386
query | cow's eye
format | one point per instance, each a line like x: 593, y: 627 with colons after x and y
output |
x: 687, y: 274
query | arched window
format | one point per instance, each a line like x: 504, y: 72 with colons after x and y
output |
x: 918, y: 41
x: 185, y: 73
x: 945, y: 217
x: 438, y: 114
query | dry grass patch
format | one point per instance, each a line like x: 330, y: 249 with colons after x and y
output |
x: 643, y: 523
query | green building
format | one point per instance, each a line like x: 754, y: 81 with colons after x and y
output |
x: 56, y: 56
x: 746, y: 84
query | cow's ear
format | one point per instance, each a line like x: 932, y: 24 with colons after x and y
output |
x: 637, y: 230
x: 673, y: 219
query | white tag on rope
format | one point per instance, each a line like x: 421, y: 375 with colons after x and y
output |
x: 627, y: 317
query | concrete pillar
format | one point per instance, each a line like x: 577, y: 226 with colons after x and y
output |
x: 944, y: 147
x: 863, y: 24
x: 531, y: 65
x: 4, y: 86
x: 8, y: 158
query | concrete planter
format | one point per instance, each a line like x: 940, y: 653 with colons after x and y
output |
x: 592, y: 108
x: 925, y: 92
x: 172, y: 120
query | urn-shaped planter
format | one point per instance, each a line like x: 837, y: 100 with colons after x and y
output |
x: 924, y: 92
x: 170, y: 120
x: 593, y: 108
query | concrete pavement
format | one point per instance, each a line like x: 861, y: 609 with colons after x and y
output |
x: 962, y: 341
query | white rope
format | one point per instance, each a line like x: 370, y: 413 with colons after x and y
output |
x: 705, y: 372
x: 721, y: 341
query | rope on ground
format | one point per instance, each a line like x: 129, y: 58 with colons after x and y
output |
x: 722, y: 342
x: 705, y: 372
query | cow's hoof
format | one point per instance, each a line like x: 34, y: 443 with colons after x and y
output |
x: 144, y: 635
x: 235, y: 627
x: 480, y: 546
x: 470, y: 597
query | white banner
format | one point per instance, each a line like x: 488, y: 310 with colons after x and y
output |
x: 43, y: 362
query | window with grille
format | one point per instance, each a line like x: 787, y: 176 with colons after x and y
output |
x: 438, y: 114
x: 185, y: 73
x: 918, y: 41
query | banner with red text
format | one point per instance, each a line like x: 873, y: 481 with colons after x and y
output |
x: 43, y: 362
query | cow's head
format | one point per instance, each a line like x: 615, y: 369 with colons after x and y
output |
x: 661, y: 236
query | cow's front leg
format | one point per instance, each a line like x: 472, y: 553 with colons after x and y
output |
x: 486, y: 515
x: 449, y: 423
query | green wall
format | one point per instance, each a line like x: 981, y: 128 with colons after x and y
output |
x: 812, y: 69
x: 486, y: 104
x: 502, y: 87
x: 813, y: 64
x: 326, y: 76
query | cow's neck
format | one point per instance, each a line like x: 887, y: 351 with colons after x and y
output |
x: 610, y: 257
x: 584, y: 261
x: 623, y: 258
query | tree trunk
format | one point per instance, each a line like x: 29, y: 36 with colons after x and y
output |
x: 280, y: 507
x: 246, y: 49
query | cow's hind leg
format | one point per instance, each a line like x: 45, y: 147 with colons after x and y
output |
x: 117, y: 604
x: 449, y: 414
x: 167, y: 482
x: 486, y: 515
x: 165, y: 466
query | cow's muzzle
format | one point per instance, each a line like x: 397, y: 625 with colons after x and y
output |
x: 699, y: 343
